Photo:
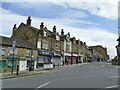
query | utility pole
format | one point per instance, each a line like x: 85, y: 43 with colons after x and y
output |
x: 13, y: 47
x: 12, y: 62
x: 31, y: 62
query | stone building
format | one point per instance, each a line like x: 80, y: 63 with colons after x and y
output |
x: 79, y: 51
x: 100, y: 52
x: 56, y: 47
x: 74, y: 51
x: 19, y: 55
x: 47, y: 42
x: 44, y: 45
x: 25, y: 32
x: 66, y: 47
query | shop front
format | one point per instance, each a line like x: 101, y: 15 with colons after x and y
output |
x: 31, y: 63
x: 44, y: 56
x: 11, y: 62
x: 57, y: 58
x: 67, y: 58
x: 22, y: 64
x: 74, y: 58
x: 80, y: 58
x: 3, y: 65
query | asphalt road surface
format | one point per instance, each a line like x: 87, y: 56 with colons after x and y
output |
x: 93, y: 75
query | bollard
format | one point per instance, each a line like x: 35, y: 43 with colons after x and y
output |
x: 54, y: 65
x: 17, y: 73
x: 58, y: 64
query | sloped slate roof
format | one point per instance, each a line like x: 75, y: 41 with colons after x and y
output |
x: 9, y: 41
x: 33, y: 28
x: 50, y: 33
x: 36, y: 29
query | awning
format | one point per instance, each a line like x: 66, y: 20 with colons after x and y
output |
x: 30, y: 58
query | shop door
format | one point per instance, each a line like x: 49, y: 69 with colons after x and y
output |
x: 23, y: 65
x: 74, y: 60
x: 40, y: 60
x: 57, y: 60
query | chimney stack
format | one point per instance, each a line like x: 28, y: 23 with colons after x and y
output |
x: 54, y: 29
x: 42, y: 25
x: 29, y: 21
x: 14, y: 29
x: 62, y: 32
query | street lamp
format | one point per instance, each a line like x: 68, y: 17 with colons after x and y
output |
x: 118, y: 50
x: 13, y: 47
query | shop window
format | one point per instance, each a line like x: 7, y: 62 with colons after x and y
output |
x: 46, y: 45
x: 43, y: 45
x: 56, y: 47
x: 28, y: 52
x: 68, y: 47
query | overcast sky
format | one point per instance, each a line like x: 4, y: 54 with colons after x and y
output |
x: 94, y: 22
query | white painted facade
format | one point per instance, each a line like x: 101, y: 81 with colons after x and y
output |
x: 22, y: 65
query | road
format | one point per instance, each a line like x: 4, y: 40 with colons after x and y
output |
x: 93, y: 75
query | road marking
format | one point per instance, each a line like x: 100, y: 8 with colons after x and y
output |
x: 112, y: 86
x: 115, y: 77
x: 115, y: 86
x: 43, y: 85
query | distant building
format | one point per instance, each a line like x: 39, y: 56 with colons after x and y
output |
x: 100, y: 53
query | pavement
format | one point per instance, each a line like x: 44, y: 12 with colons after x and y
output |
x: 40, y: 70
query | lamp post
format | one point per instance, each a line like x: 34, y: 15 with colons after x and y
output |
x: 12, y: 62
x: 118, y: 49
x: 13, y: 47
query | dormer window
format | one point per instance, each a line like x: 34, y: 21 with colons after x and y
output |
x: 44, y: 34
x: 57, y: 38
x: 67, y: 37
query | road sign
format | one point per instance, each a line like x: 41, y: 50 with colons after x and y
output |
x: 14, y: 43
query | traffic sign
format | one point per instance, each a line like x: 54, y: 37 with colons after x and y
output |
x: 14, y: 43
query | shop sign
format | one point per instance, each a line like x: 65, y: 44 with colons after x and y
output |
x: 44, y: 52
x: 14, y: 43
x: 22, y: 58
x: 80, y: 55
x: 67, y: 54
x: 55, y: 54
x: 28, y: 58
x: 3, y: 51
x: 74, y: 54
